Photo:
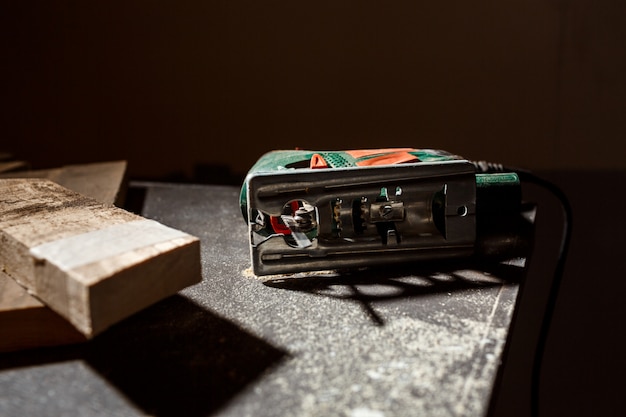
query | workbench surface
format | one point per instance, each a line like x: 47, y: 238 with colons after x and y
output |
x: 425, y: 340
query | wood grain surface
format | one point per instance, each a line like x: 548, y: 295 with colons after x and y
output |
x: 92, y: 263
x: 26, y: 322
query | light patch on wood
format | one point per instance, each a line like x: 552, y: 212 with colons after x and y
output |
x: 98, y: 245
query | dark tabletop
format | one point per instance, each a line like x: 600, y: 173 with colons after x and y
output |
x: 425, y: 340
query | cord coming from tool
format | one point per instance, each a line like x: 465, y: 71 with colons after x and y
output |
x: 529, y: 177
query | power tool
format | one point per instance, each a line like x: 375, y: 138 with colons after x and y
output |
x: 329, y: 210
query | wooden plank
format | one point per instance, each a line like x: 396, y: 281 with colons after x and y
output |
x: 26, y: 322
x: 9, y: 163
x: 7, y: 166
x: 92, y: 263
x: 103, y: 181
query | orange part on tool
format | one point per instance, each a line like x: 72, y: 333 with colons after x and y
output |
x: 360, y: 153
x: 399, y: 157
x: 317, y: 161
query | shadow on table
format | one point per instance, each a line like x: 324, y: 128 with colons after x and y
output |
x: 371, y: 285
x: 174, y: 358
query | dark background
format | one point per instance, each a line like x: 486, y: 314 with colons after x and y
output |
x: 198, y: 91
x: 174, y: 85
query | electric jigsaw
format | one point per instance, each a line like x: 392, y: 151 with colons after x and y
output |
x: 327, y: 210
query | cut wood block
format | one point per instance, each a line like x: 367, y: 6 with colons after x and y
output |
x: 92, y: 263
x: 25, y: 322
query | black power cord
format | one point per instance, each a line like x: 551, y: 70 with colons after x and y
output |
x: 528, y: 177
